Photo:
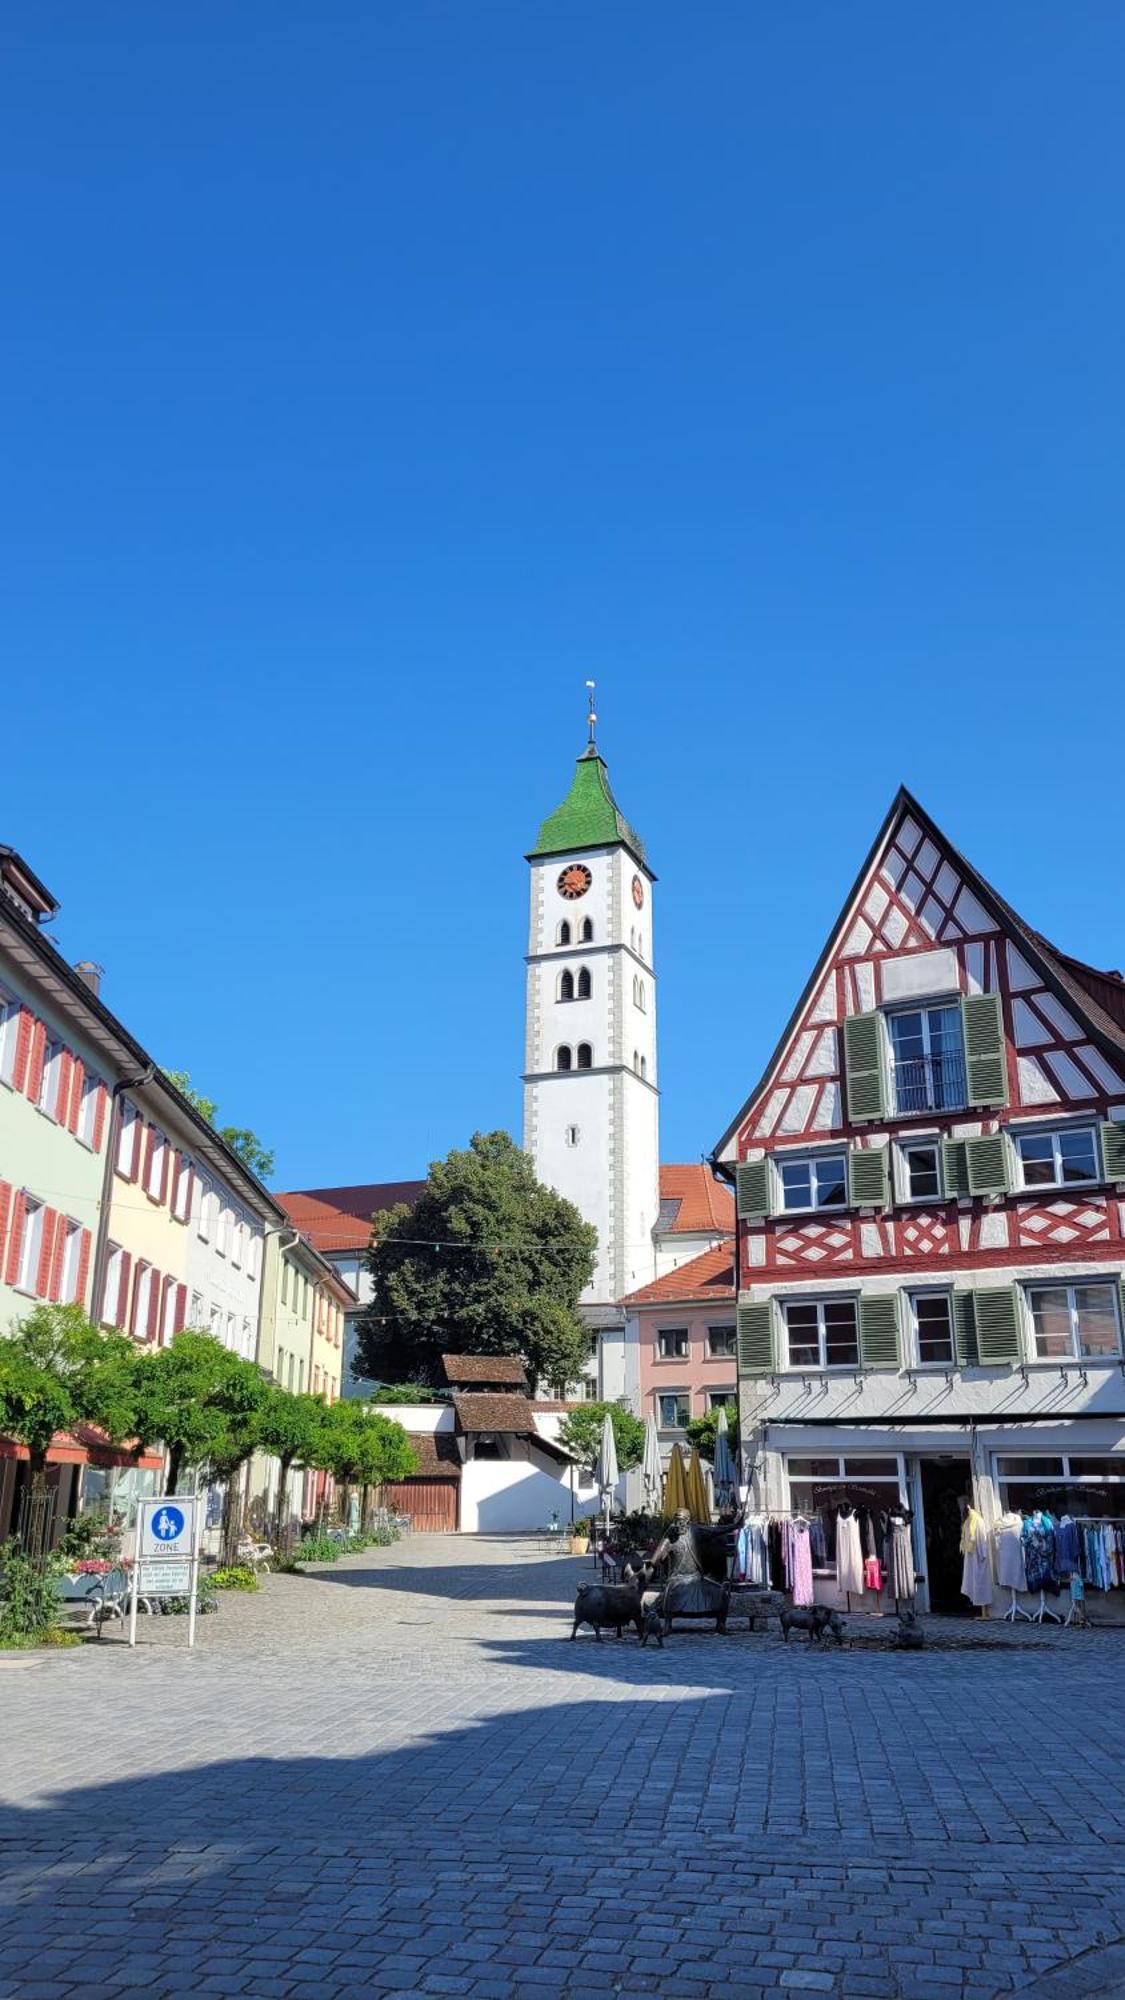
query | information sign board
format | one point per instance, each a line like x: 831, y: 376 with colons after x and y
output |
x: 164, y: 1579
x: 167, y: 1558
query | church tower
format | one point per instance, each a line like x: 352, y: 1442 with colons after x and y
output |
x: 591, y: 1103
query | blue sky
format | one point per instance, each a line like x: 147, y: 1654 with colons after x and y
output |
x: 374, y: 374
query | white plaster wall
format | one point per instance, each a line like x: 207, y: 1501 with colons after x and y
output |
x: 419, y: 1417
x: 218, y: 1280
x: 612, y: 1386
x: 508, y: 1496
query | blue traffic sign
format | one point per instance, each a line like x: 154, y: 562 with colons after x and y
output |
x: 168, y: 1525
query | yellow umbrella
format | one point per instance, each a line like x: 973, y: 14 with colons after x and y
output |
x: 675, y: 1484
x: 697, y: 1491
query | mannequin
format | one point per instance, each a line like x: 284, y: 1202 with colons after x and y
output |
x: 976, y: 1573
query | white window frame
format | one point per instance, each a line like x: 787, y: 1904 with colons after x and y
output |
x: 128, y: 1133
x: 142, y: 1299
x: 1075, y: 1358
x: 206, y: 1209
x: 1054, y: 1133
x: 10, y: 1011
x: 154, y: 1171
x: 236, y: 1237
x: 71, y: 1259
x: 111, y: 1289
x: 924, y: 1008
x: 730, y: 1353
x: 674, y: 1333
x: 222, y: 1233
x: 88, y: 1109
x: 197, y: 1309
x: 51, y: 1080
x: 931, y: 1292
x: 253, y: 1255
x: 840, y: 1477
x: 31, y: 1244
x: 681, y: 1396
x: 166, y: 1326
x: 812, y: 1161
x: 215, y: 1323
x: 181, y: 1188
x: 822, y: 1365
x: 908, y: 1142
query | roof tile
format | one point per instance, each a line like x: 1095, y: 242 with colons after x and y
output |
x: 710, y: 1276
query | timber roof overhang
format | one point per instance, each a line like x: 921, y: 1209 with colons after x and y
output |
x: 1059, y: 972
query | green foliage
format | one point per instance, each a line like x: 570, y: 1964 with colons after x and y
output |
x: 245, y: 1143
x: 206, y: 1598
x: 30, y: 1600
x: 406, y: 1392
x: 318, y: 1549
x: 701, y: 1432
x: 639, y: 1530
x: 580, y: 1433
x: 234, y: 1576
x: 364, y: 1449
x: 58, y: 1370
x: 486, y: 1261
x: 89, y: 1536
x: 204, y: 1402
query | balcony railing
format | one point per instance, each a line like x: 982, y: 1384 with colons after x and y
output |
x: 930, y: 1083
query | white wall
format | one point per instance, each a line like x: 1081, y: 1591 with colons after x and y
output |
x: 219, y: 1280
x: 507, y: 1496
x: 417, y: 1417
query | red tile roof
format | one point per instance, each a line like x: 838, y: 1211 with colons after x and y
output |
x: 706, y: 1205
x: 510, y: 1414
x: 339, y: 1218
x: 438, y: 1456
x: 706, y: 1278
x: 495, y: 1368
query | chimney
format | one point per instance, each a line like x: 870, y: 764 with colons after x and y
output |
x: 90, y: 974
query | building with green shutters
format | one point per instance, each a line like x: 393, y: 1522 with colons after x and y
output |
x: 930, y: 1181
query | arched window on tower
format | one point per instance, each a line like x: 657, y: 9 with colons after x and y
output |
x: 644, y: 1066
x: 563, y: 1058
x: 566, y: 985
x: 639, y: 994
x: 562, y: 935
x: 585, y: 1056
x: 636, y: 1062
x: 584, y: 988
x: 587, y: 930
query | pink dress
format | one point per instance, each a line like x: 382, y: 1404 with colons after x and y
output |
x: 799, y: 1562
x: 873, y: 1574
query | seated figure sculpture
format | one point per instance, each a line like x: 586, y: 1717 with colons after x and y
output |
x: 696, y: 1570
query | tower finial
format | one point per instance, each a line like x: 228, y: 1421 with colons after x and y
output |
x: 591, y: 717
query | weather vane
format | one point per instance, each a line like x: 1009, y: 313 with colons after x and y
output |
x: 591, y: 717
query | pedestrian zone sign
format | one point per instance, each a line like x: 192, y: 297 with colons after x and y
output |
x: 167, y: 1558
x: 167, y: 1528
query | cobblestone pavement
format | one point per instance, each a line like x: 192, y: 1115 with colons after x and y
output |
x: 397, y: 1777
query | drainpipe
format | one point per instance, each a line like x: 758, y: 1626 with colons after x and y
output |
x: 97, y: 1283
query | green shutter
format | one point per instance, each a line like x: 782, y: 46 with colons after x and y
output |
x: 868, y: 1180
x: 756, y: 1348
x: 997, y: 1315
x: 1113, y: 1150
x: 863, y: 1067
x: 987, y: 1161
x: 964, y: 1330
x: 986, y: 1072
x: 878, y: 1329
x: 753, y: 1180
x: 955, y: 1167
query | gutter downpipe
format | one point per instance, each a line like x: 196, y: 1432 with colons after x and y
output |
x: 97, y: 1283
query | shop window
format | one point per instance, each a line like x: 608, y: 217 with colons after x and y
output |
x: 721, y: 1343
x: 1075, y: 1322
x: 933, y: 1328
x: 1073, y: 1484
x: 1057, y: 1159
x: 820, y: 1486
x: 921, y: 1172
x: 672, y: 1344
x: 822, y: 1333
x: 817, y: 1181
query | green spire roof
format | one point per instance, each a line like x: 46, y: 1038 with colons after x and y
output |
x: 588, y: 816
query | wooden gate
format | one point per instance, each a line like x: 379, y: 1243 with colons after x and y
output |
x: 430, y: 1503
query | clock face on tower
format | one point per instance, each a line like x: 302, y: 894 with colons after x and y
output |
x: 574, y: 881
x: 638, y: 892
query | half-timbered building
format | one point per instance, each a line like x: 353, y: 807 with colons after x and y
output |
x: 930, y: 1186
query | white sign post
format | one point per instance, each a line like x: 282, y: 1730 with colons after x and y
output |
x: 166, y: 1563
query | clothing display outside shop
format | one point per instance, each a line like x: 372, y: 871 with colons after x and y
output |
x: 976, y: 1574
x: 871, y: 1552
x: 1011, y: 1571
x: 849, y: 1551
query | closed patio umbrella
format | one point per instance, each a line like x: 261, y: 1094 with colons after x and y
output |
x: 652, y: 1477
x: 725, y: 1477
x: 697, y: 1491
x: 675, y: 1485
x: 606, y: 1472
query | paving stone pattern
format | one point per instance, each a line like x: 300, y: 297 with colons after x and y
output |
x: 397, y: 1776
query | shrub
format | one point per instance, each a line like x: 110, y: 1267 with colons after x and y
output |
x: 235, y: 1576
x: 318, y: 1549
x: 206, y: 1599
x: 29, y: 1598
x: 89, y: 1537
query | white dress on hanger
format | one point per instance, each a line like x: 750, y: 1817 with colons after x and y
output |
x: 849, y: 1553
x: 1010, y: 1571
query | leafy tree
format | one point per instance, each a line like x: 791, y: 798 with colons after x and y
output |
x: 291, y: 1429
x: 701, y: 1432
x: 486, y: 1261
x: 405, y: 1392
x: 581, y: 1434
x: 361, y: 1448
x: 58, y: 1370
x: 202, y: 1401
x: 239, y: 1138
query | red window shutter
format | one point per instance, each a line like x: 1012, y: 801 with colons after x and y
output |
x: 83, y: 1269
x: 15, y: 1240
x: 99, y: 1117
x: 61, y: 1105
x: 54, y: 1289
x: 180, y: 1313
x: 23, y: 1048
x: 155, y: 1301
x: 5, y: 1210
x: 77, y: 1085
x: 122, y: 1320
x: 35, y: 1061
x: 46, y: 1252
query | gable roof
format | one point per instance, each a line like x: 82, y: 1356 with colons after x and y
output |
x: 709, y: 1276
x: 437, y: 1453
x: 693, y: 1202
x: 339, y: 1218
x: 589, y: 815
x: 1070, y: 979
x: 510, y: 1414
x: 484, y: 1368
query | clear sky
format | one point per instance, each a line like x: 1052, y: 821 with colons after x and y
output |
x: 376, y: 372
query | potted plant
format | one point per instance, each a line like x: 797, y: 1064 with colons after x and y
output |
x: 579, y: 1537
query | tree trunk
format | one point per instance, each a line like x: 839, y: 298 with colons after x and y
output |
x: 364, y: 1506
x: 284, y: 1464
x: 175, y: 1463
